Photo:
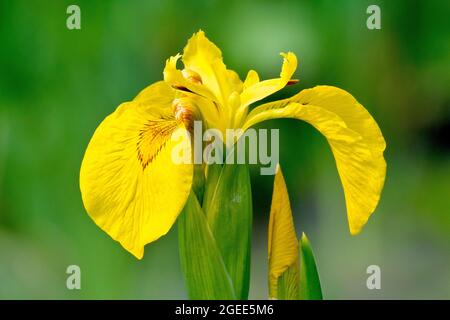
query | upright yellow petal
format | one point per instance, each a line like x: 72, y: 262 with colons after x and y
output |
x: 177, y: 80
x: 262, y: 89
x: 204, y: 58
x: 355, y: 139
x: 242, y: 111
x: 130, y: 185
x: 251, y: 79
x: 283, y: 243
x: 199, y: 95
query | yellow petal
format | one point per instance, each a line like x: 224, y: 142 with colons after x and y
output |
x: 175, y: 78
x: 130, y: 186
x: 242, y: 111
x: 235, y: 81
x: 251, y: 79
x: 198, y: 94
x: 355, y: 139
x: 283, y: 243
x: 205, y: 58
x: 260, y: 90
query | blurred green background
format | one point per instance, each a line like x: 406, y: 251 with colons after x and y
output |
x: 56, y: 85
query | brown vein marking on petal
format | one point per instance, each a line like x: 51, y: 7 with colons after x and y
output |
x: 292, y: 81
x: 152, y: 138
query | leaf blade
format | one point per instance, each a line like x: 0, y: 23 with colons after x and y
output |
x: 228, y: 206
x: 205, y: 273
x: 310, y: 288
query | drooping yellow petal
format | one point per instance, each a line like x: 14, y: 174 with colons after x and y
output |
x: 130, y: 185
x: 355, y: 139
x: 260, y: 90
x: 158, y: 93
x: 204, y: 58
x: 283, y: 243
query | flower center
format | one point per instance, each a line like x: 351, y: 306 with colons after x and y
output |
x: 184, y: 112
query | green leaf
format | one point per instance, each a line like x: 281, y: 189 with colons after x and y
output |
x: 228, y: 207
x: 212, y: 177
x: 205, y: 273
x: 309, y: 277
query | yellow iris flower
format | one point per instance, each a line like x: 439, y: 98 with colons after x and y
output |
x: 133, y: 190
